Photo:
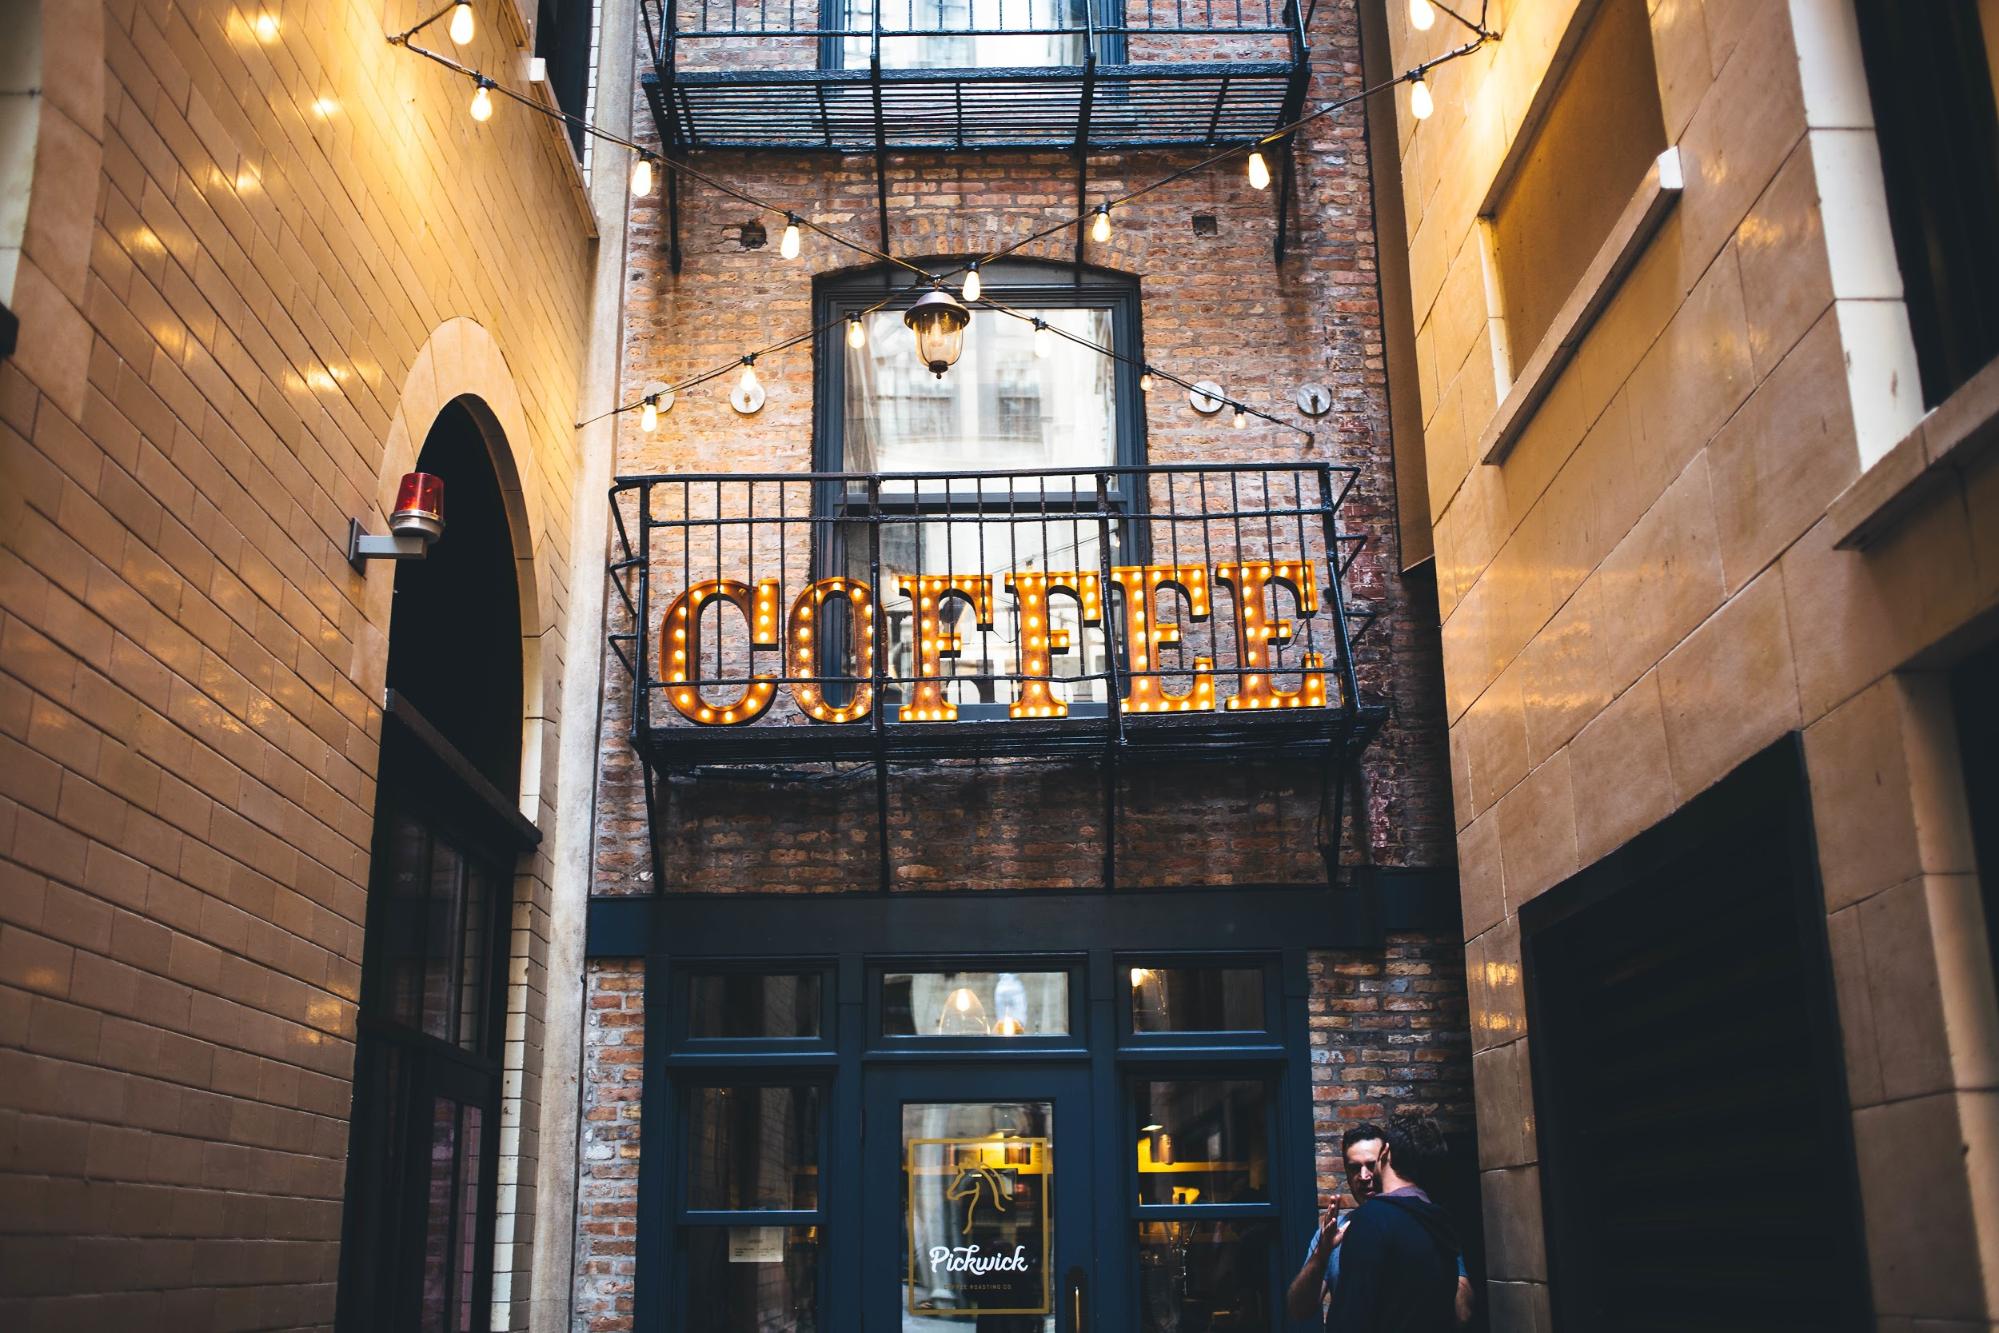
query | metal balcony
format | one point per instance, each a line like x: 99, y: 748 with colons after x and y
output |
x: 1072, y: 679
x: 856, y: 76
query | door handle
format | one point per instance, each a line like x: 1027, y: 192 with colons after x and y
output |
x: 1078, y: 1306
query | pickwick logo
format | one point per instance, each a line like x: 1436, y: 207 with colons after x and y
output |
x: 973, y: 1259
x: 1258, y: 630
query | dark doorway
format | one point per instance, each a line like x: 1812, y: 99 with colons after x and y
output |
x: 423, y: 1150
x: 1696, y: 1150
x: 1977, y: 709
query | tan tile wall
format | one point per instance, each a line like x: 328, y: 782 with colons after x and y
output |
x: 252, y: 273
x: 1647, y: 591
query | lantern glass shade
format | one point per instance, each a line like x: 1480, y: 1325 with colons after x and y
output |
x: 938, y: 320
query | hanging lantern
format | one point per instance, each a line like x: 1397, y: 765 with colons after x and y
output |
x: 938, y: 320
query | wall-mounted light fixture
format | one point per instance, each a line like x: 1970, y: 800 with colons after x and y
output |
x: 418, y: 521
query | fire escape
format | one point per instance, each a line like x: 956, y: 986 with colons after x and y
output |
x: 879, y: 76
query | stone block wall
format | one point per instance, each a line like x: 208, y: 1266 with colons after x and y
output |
x: 258, y: 260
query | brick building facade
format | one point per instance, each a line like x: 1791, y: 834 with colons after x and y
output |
x: 268, y: 264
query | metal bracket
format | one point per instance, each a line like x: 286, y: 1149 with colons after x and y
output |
x: 361, y: 548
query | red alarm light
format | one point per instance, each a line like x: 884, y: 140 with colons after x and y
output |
x: 419, y: 507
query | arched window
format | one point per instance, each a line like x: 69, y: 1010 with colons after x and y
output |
x: 423, y: 1157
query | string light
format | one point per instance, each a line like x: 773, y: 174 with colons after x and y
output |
x: 1421, y: 16
x: 649, y: 414
x: 857, y: 333
x: 267, y: 26
x: 1420, y: 102
x: 748, y: 383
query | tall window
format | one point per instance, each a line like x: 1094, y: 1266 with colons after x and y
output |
x: 562, y: 36
x: 1600, y: 133
x: 1006, y: 408
x: 1930, y: 73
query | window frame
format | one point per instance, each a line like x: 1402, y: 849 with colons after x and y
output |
x: 1030, y: 285
x: 1111, y: 46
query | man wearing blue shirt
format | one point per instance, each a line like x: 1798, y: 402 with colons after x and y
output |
x: 1371, y: 1174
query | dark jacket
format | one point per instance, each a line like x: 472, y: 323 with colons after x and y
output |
x: 1398, y: 1269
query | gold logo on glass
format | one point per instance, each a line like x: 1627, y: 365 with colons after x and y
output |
x: 976, y: 1183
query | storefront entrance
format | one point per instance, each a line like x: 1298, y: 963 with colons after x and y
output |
x: 977, y: 1211
x: 1106, y: 1126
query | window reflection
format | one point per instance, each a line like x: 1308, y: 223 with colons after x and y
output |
x: 753, y: 1004
x: 1202, y: 1141
x: 975, y: 1004
x: 752, y: 1279
x: 1001, y: 408
x: 1196, y: 999
x: 1204, y: 1277
x: 754, y: 1147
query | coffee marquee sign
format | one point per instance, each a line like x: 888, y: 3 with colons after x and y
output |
x: 801, y: 628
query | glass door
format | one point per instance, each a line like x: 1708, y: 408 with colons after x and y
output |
x: 977, y: 1200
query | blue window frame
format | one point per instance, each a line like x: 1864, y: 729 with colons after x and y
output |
x: 1242, y: 1097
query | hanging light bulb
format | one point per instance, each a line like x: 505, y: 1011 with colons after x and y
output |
x: 1421, y: 15
x: 972, y: 286
x: 1420, y: 102
x: 649, y: 415
x: 1241, y: 418
x: 1145, y: 380
x: 482, y: 102
x: 748, y: 383
x: 857, y: 333
x: 938, y: 321
x: 1100, y: 230
x: 642, y: 176
x: 789, y: 246
x: 1259, y: 172
x: 1044, y: 341
x: 461, y: 23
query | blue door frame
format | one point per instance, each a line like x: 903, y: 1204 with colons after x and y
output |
x: 864, y: 1078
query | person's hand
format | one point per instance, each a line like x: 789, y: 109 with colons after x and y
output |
x: 1330, y: 1229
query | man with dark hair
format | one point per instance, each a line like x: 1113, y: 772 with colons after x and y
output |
x: 1407, y: 1273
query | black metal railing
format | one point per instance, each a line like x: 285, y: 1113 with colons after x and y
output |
x: 838, y: 616
x: 853, y: 75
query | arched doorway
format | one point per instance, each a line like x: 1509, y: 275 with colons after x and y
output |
x: 423, y: 1155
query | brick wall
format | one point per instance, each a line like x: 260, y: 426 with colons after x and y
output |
x: 1212, y: 307
x: 241, y: 251
x: 608, y: 1196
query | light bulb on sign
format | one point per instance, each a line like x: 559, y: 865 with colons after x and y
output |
x: 1420, y: 102
x: 788, y: 247
x: 482, y: 102
x: 1259, y: 172
x: 1044, y: 342
x: 1100, y: 230
x: 461, y: 23
x: 857, y: 333
x: 642, y: 177
x: 1421, y: 15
